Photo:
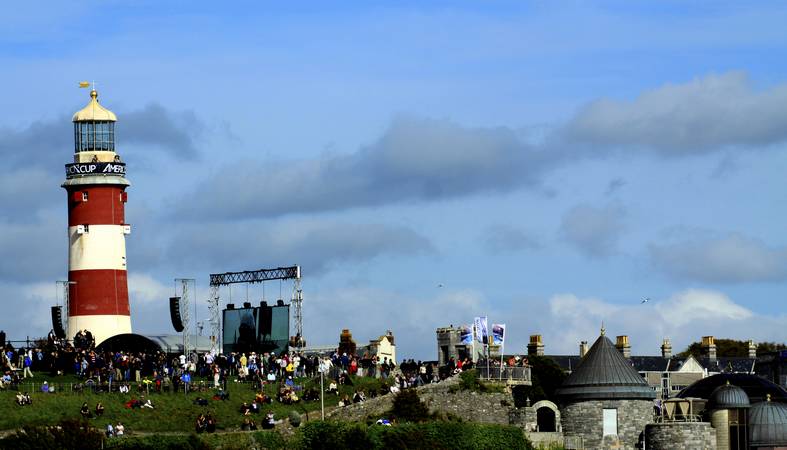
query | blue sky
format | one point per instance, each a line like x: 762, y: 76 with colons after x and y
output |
x: 549, y: 163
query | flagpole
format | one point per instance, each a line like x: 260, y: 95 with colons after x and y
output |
x: 502, y: 352
x: 473, y: 358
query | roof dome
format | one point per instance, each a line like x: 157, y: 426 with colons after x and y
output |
x: 728, y: 396
x: 604, y: 374
x: 768, y: 424
x: 94, y: 112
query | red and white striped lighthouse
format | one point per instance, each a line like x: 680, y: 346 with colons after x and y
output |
x: 96, y: 185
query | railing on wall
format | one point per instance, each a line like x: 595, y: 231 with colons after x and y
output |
x: 514, y: 374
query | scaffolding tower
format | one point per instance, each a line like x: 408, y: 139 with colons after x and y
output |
x: 183, y: 289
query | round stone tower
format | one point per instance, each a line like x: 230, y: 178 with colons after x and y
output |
x: 96, y: 187
x: 605, y: 401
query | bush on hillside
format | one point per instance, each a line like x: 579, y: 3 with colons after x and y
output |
x: 66, y: 435
x: 432, y: 435
x: 408, y: 407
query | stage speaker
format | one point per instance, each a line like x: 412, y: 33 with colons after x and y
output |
x: 230, y: 305
x: 266, y: 320
x: 57, y: 322
x: 279, y: 302
x: 246, y: 305
x: 174, y: 313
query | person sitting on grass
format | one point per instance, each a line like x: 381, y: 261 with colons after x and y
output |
x: 245, y: 409
x: 255, y: 407
x: 148, y: 404
x: 99, y: 409
x: 85, y: 411
x: 110, y: 430
x: 23, y: 399
x: 201, y: 423
x: 246, y: 425
x: 311, y: 394
x: 45, y: 387
x: 261, y: 398
x: 200, y: 401
x: 210, y: 424
x: 119, y: 429
x: 270, y: 422
x: 333, y: 389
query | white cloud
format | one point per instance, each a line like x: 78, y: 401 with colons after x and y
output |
x: 697, y: 305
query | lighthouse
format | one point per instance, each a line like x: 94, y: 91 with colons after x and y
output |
x: 96, y: 186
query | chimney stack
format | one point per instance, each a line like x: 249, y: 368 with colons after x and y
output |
x: 752, y: 350
x: 623, y: 345
x: 583, y: 349
x: 709, y: 348
x: 536, y: 345
x: 666, y: 349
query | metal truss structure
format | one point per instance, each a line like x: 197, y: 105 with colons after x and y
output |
x: 254, y: 276
x: 187, y: 286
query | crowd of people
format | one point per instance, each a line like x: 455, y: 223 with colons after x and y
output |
x: 141, y: 373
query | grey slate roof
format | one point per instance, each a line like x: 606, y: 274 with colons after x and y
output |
x: 728, y: 396
x: 768, y: 424
x: 755, y: 386
x: 604, y: 374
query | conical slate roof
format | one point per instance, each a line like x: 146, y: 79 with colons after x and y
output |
x: 604, y: 374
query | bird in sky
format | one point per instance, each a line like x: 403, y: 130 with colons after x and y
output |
x: 645, y: 300
x: 439, y: 285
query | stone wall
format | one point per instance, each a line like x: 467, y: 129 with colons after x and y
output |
x: 469, y: 406
x: 585, y: 420
x: 683, y: 435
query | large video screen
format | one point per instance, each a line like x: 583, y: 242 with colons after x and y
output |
x: 240, y: 330
x: 259, y: 329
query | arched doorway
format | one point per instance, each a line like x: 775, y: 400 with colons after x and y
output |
x: 547, y: 416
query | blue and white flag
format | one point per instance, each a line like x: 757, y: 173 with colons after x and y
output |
x: 498, y: 333
x: 481, y: 331
x: 466, y: 334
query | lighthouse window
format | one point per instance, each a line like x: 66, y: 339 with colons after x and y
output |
x: 94, y: 136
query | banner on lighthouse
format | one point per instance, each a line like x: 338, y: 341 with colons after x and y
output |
x: 96, y: 168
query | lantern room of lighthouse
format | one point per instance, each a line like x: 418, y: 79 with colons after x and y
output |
x: 96, y: 185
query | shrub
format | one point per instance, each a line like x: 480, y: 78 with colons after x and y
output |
x: 408, y: 407
x: 67, y: 435
x: 295, y: 418
x: 332, y: 435
x: 432, y: 435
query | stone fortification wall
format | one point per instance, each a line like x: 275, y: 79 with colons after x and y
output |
x: 585, y: 420
x: 469, y: 406
x: 683, y: 435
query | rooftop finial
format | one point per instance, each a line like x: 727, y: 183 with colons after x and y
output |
x: 603, y: 330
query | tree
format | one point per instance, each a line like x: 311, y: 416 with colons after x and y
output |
x: 546, y: 377
x: 730, y: 348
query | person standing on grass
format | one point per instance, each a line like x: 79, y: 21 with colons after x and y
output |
x: 28, y: 361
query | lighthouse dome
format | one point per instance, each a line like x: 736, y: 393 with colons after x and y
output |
x: 94, y: 112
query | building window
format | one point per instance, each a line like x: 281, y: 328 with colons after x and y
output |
x: 84, y: 196
x: 610, y: 424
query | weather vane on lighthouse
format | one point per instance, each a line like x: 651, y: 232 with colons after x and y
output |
x: 96, y: 185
